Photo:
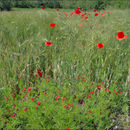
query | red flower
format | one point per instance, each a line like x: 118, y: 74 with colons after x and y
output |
x: 67, y: 129
x: 81, y: 25
x: 63, y: 99
x: 120, y: 36
x: 38, y: 103
x: 43, y: 8
x: 77, y: 11
x: 96, y: 14
x: 121, y: 92
x: 86, y: 17
x: 102, y: 82
x: 29, y: 88
x: 7, y: 99
x: 26, y: 108
x: 100, y: 45
x: 57, y: 9
x: 82, y: 9
x: 72, y: 13
x: 105, y: 89
x: 91, y: 92
x: 95, y: 10
x: 89, y: 96
x: 99, y: 87
x: 48, y: 43
x: 90, y: 111
x: 83, y: 79
x: 14, y: 105
x: 13, y: 95
x: 52, y: 25
x: 39, y: 73
x: 36, y: 108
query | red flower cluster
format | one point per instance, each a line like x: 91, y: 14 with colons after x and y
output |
x: 77, y: 11
x: 26, y: 108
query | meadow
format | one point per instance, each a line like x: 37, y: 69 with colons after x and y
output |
x: 64, y: 71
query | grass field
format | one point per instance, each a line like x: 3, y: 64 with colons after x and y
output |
x: 71, y: 84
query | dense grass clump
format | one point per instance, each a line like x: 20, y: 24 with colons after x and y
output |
x: 71, y: 84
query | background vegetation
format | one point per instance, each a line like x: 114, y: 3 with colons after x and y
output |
x: 86, y: 4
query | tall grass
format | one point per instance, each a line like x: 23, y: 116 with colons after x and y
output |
x: 74, y: 52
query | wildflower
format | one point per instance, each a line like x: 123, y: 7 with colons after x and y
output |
x: 82, y: 9
x: 29, y: 88
x: 48, y: 43
x: 99, y: 87
x: 63, y: 99
x: 96, y: 14
x: 47, y: 77
x: 43, y: 8
x: 121, y: 92
x: 36, y: 108
x: 60, y: 91
x: 71, y: 105
x: 105, y: 89
x: 90, y: 111
x: 13, y: 115
x: 95, y: 10
x: 86, y: 17
x: 26, y: 108
x: 14, y: 105
x: 72, y: 13
x: 100, y: 45
x: 13, y: 95
x: 116, y: 93
x: 24, y: 90
x: 83, y: 79
x: 100, y: 112
x: 26, y: 95
x: 39, y: 73
x: 91, y: 92
x: 77, y: 11
x: 38, y: 103
x: 57, y: 9
x: 7, y: 99
x: 67, y: 129
x: 108, y: 11
x: 120, y: 36
x: 52, y: 25
x: 81, y: 25
x: 32, y: 99
x: 89, y: 96
x: 102, y: 82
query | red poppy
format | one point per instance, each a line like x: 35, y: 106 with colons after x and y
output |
x: 48, y: 43
x: 72, y: 13
x: 86, y: 17
x: 96, y: 14
x: 82, y: 9
x: 67, y: 129
x: 39, y: 73
x: 43, y: 8
x: 52, y: 25
x: 77, y: 11
x: 90, y: 111
x: 120, y: 36
x: 95, y: 10
x: 57, y: 9
x: 100, y: 45
x: 26, y: 108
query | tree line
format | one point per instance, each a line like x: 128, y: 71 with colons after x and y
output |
x: 86, y: 4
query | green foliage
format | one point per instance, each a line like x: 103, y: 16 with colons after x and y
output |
x: 6, y: 4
